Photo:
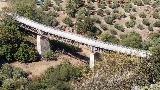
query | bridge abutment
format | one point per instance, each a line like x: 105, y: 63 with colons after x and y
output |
x: 43, y: 45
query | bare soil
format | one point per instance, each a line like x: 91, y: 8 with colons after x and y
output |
x: 2, y: 5
x: 36, y: 69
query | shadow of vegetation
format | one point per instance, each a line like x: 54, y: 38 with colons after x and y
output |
x: 2, y: 61
x: 69, y: 50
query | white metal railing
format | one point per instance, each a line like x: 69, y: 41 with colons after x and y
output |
x: 82, y: 39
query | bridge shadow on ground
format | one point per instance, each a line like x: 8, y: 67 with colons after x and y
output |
x: 69, y: 50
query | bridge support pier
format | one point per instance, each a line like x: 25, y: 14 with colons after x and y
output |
x: 43, y: 45
x: 92, y: 60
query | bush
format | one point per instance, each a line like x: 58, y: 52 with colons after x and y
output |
x: 130, y: 24
x: 134, y: 10
x: 132, y: 40
x: 108, y: 12
x: 102, y: 5
x: 114, y: 5
x: 156, y: 24
x: 109, y: 20
x: 68, y: 21
x: 26, y: 53
x: 115, y: 10
x: 138, y: 3
x: 6, y: 52
x: 104, y: 27
x: 142, y: 15
x: 146, y: 2
x: 50, y: 55
x: 54, y: 23
x: 85, y: 25
x: 156, y: 15
x: 109, y: 38
x: 146, y: 22
x: 116, y: 16
x: 100, y: 12
x: 113, y: 32
x: 96, y: 20
x: 133, y: 17
x: 128, y: 7
x: 150, y: 28
x: 140, y: 26
x: 12, y: 78
x: 119, y: 27
x: 60, y: 76
x: 90, y: 6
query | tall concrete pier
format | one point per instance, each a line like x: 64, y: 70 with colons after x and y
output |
x: 43, y: 45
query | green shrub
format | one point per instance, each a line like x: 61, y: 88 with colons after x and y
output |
x: 60, y: 76
x: 128, y: 7
x: 119, y: 27
x: 142, y: 15
x: 150, y: 28
x: 68, y: 21
x: 104, y: 27
x: 109, y: 38
x: 90, y: 6
x: 113, y: 32
x: 6, y: 52
x: 108, y: 12
x: 115, y: 10
x: 134, y: 10
x: 156, y: 15
x: 102, y: 5
x: 146, y: 2
x: 109, y: 20
x: 146, y: 22
x: 100, y: 12
x: 133, y: 17
x: 132, y: 40
x: 130, y: 24
x: 138, y: 3
x: 50, y: 55
x: 54, y: 22
x: 96, y: 19
x: 140, y: 26
x: 116, y: 16
x: 156, y: 24
x: 26, y: 53
x: 12, y: 78
x: 114, y: 5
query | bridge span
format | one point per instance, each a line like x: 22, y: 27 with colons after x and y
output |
x: 43, y: 29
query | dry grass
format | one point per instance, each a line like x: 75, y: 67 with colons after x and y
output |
x: 37, y: 68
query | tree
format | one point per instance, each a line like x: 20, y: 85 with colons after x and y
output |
x: 157, y: 24
x: 58, y: 78
x: 50, y: 55
x: 109, y: 38
x: 10, y: 37
x: 68, y: 21
x: 146, y: 22
x: 12, y: 78
x: 130, y: 24
x: 109, y: 20
x: 84, y: 25
x: 25, y: 53
x: 119, y: 27
x: 132, y: 40
x: 72, y: 7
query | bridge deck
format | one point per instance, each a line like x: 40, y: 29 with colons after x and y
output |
x: 81, y: 39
